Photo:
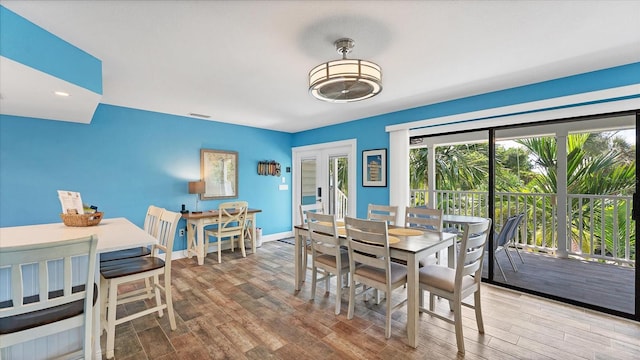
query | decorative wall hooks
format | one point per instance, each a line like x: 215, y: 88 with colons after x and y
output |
x: 269, y: 167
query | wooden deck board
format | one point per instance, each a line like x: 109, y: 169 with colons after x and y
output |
x: 606, y: 285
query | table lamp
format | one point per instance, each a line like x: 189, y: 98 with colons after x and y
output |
x: 196, y: 187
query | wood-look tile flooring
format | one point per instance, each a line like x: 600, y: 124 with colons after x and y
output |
x: 246, y: 308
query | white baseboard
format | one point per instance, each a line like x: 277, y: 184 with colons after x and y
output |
x: 181, y: 254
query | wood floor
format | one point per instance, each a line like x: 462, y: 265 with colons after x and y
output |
x: 606, y: 285
x: 246, y: 308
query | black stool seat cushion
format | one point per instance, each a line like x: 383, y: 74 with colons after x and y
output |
x: 125, y: 267
x: 33, y: 319
x: 125, y: 254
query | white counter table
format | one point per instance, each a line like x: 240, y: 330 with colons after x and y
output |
x: 113, y: 234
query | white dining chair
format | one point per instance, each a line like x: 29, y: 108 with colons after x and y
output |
x: 370, y: 264
x: 118, y: 272
x: 457, y: 284
x: 326, y: 254
x: 150, y: 226
x: 49, y: 311
x: 306, y: 245
x: 232, y: 217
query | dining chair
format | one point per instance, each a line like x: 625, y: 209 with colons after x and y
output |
x: 457, y: 284
x: 370, y: 264
x: 117, y: 272
x: 383, y: 212
x: 327, y: 254
x: 426, y: 219
x: 232, y: 217
x: 150, y: 226
x: 504, y: 238
x: 49, y: 311
x: 513, y: 235
x: 306, y: 245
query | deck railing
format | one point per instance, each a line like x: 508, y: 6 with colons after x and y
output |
x: 599, y: 226
x: 341, y: 204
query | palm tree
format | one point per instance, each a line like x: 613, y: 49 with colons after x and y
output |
x: 589, y: 171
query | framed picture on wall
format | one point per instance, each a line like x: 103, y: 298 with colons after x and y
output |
x: 374, y: 167
x: 219, y: 171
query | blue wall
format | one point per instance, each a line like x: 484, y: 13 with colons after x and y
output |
x: 27, y: 43
x: 127, y: 159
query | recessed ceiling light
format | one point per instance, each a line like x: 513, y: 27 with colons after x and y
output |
x: 62, y: 93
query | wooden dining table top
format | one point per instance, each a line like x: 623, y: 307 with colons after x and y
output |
x: 409, y: 243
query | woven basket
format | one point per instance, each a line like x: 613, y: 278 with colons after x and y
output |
x: 81, y: 220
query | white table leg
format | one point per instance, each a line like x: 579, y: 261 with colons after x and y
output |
x: 412, y: 300
x: 201, y: 242
x: 190, y: 240
x: 297, y: 258
x: 253, y: 233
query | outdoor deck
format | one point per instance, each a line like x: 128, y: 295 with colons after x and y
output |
x: 605, y: 285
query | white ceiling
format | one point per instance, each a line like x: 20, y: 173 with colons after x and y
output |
x: 247, y: 62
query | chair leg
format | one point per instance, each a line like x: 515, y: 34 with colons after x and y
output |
x: 169, y: 299
x: 304, y: 260
x: 111, y: 318
x: 314, y: 281
x: 457, y: 314
x: 242, y: 249
x: 327, y: 281
x: 338, y: 292
x: 513, y: 264
x: 501, y: 271
x: 219, y: 251
x: 156, y: 281
x: 352, y: 297
x: 478, y: 308
x: 518, y: 252
x: 104, y: 290
x: 387, y: 327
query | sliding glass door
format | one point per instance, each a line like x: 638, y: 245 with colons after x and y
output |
x: 567, y: 187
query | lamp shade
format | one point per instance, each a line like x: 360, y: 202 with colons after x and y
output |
x: 196, y: 187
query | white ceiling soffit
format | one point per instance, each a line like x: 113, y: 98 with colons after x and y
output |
x: 247, y: 62
x: 27, y: 92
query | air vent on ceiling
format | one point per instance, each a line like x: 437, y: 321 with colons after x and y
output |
x: 199, y: 115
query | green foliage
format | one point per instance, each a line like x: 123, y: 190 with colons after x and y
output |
x: 597, y: 164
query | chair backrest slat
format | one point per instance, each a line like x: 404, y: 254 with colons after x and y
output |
x: 324, y: 234
x: 43, y: 255
x: 317, y: 208
x: 471, y: 251
x: 424, y: 218
x: 232, y: 216
x: 383, y: 212
x: 369, y: 243
x: 151, y: 220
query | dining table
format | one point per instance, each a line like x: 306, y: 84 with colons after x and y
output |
x: 197, y: 221
x: 412, y: 246
x: 113, y: 234
x: 461, y: 219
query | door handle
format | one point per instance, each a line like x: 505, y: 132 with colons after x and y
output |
x: 319, y: 192
x: 635, y: 211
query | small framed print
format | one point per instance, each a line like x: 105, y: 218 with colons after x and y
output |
x: 374, y: 167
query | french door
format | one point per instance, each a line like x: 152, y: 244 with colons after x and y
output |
x: 325, y: 173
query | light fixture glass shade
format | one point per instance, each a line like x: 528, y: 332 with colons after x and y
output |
x: 345, y: 80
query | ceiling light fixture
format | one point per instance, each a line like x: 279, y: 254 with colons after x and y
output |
x: 61, y: 93
x: 345, y: 80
